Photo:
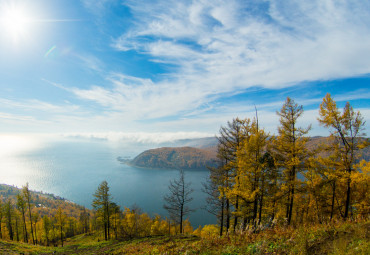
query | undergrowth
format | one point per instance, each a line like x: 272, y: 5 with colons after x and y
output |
x: 339, y: 238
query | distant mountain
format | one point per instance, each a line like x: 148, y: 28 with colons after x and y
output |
x: 316, y: 141
x: 199, y: 153
x: 176, y: 157
x: 200, y: 143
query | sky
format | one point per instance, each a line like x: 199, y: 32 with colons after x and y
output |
x: 177, y: 68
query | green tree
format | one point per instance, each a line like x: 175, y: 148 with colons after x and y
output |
x: 101, y: 204
x: 176, y: 202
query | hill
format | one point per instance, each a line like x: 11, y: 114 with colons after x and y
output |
x: 180, y: 157
x: 43, y: 203
x: 201, y: 154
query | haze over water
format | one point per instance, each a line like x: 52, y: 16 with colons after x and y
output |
x: 74, y: 167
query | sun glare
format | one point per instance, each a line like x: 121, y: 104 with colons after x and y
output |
x: 15, y: 22
x: 11, y: 145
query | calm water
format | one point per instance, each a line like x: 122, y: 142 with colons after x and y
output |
x: 73, y: 169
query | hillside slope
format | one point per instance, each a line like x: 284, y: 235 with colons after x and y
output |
x: 181, y: 157
x: 43, y: 203
x: 201, y: 156
x: 340, y: 238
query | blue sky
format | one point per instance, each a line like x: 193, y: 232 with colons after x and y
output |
x: 177, y: 67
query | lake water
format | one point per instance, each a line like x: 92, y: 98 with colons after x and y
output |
x: 73, y: 169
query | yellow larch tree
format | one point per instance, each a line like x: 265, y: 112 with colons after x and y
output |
x: 346, y: 130
x: 290, y: 151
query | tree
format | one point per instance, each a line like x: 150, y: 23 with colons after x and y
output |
x: 61, y: 221
x: 250, y: 181
x: 84, y: 220
x: 8, y: 215
x: 215, y: 201
x: 46, y: 227
x: 345, y: 128
x: 291, y: 150
x: 21, y: 205
x: 1, y: 218
x: 116, y: 213
x: 230, y: 139
x: 27, y: 195
x: 101, y: 205
x: 176, y: 202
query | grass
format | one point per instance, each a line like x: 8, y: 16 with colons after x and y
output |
x: 340, y: 238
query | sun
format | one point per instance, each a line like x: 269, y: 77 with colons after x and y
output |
x: 14, y: 21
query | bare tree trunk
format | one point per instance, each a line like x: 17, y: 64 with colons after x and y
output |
x: 348, y: 197
x: 332, y: 201
x: 222, y: 217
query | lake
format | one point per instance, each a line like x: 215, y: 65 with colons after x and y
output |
x: 73, y: 168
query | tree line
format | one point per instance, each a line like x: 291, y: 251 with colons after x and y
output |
x: 261, y: 180
x: 114, y: 223
x: 34, y: 218
x: 29, y: 217
x: 264, y: 180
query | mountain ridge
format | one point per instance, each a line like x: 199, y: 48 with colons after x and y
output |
x: 200, y: 155
x: 176, y: 158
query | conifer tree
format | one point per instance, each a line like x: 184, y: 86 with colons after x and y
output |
x: 215, y: 201
x: 61, y: 221
x: 21, y: 205
x: 345, y: 128
x: 27, y: 195
x: 1, y: 218
x: 9, y: 214
x: 230, y: 139
x: 101, y: 204
x: 291, y: 151
x: 84, y: 220
x: 251, y: 173
x: 46, y: 227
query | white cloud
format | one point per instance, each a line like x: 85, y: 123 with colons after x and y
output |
x: 14, y: 117
x: 140, y: 137
x: 37, y: 105
x: 223, y: 47
x: 217, y: 49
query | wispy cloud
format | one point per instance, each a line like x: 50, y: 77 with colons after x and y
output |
x: 213, y: 51
x: 33, y: 104
x: 140, y: 137
x: 15, y: 117
x: 223, y: 47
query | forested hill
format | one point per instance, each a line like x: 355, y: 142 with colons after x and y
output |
x: 42, y: 203
x: 315, y: 142
x: 180, y: 157
x: 200, y: 158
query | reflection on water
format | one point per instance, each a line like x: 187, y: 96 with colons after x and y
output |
x: 74, y: 168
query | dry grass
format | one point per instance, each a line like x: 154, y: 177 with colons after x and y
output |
x: 339, y: 238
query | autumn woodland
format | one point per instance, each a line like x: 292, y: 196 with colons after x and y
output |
x: 262, y: 186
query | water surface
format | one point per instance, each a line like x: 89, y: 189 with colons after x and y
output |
x: 73, y: 169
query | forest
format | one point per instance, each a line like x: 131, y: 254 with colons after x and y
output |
x: 263, y: 186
